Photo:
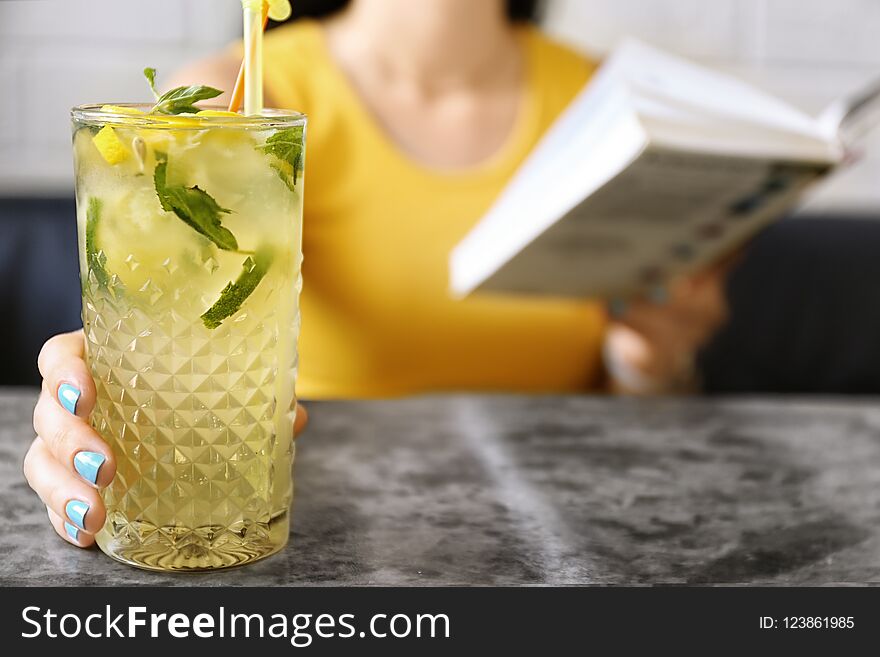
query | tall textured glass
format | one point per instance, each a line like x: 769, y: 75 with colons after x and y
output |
x: 190, y: 250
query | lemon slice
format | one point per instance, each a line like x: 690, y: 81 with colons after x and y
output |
x: 110, y: 146
x: 235, y: 115
x: 279, y: 10
x: 119, y: 109
x: 176, y: 119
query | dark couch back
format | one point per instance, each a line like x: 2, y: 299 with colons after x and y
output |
x: 806, y: 311
x: 39, y: 270
x: 805, y: 302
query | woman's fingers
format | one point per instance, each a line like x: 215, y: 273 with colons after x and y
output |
x: 77, y: 506
x: 703, y: 296
x: 688, y: 311
x: 66, y: 375
x: 73, y: 442
x: 653, y: 341
x: 68, y: 533
x: 666, y: 325
x: 68, y: 460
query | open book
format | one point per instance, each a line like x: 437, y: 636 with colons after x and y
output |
x: 657, y: 168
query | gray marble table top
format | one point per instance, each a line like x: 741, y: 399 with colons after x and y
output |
x: 519, y: 490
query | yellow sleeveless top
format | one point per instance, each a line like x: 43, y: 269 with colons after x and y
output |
x: 377, y: 318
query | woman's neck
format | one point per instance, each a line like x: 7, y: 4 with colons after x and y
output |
x: 435, y: 44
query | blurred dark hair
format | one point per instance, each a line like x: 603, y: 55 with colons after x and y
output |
x: 517, y: 10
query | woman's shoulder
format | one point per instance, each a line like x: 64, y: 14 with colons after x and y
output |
x: 298, y: 37
x: 293, y: 55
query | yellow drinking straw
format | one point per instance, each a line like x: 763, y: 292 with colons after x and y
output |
x: 250, y: 76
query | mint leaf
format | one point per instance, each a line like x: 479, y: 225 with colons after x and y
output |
x: 95, y: 258
x: 287, y: 146
x: 284, y: 172
x: 234, y: 294
x: 150, y: 74
x: 180, y: 99
x: 194, y: 206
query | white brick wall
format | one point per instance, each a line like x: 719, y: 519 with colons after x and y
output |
x: 58, y: 53
x: 55, y: 54
x: 839, y: 32
x: 8, y: 80
x: 806, y: 51
x: 716, y: 29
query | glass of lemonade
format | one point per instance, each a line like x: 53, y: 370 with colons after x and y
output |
x: 190, y: 250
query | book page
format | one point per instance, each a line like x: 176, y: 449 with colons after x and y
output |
x: 669, y: 212
x: 655, y: 74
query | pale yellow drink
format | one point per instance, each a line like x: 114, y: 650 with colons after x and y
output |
x: 190, y: 251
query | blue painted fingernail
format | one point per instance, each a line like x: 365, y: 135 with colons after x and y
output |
x: 76, y: 511
x: 68, y: 396
x: 88, y: 464
x: 72, y: 531
x: 658, y: 294
x: 616, y: 308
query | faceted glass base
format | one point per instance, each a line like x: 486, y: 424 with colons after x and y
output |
x: 190, y: 550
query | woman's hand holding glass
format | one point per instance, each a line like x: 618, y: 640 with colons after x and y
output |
x: 68, y: 462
